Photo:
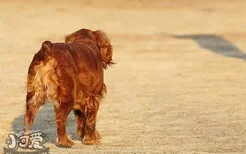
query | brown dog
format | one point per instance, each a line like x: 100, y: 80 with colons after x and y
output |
x: 71, y: 76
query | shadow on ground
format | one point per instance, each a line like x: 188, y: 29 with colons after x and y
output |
x: 45, y: 122
x: 216, y: 44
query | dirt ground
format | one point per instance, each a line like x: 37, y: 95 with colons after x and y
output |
x: 179, y: 84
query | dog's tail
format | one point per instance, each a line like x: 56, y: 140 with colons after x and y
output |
x: 106, y: 49
x: 46, y: 49
x: 36, y: 90
x: 35, y: 71
x: 41, y: 56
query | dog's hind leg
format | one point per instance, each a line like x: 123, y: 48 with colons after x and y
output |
x: 92, y: 105
x: 62, y: 111
x: 33, y: 102
x: 80, y: 119
x: 35, y: 97
x: 81, y: 123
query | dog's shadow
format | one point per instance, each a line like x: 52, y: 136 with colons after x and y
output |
x: 45, y: 121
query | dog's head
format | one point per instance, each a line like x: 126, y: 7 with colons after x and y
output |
x: 79, y: 35
x: 101, y: 40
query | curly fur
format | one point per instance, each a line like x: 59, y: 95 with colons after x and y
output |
x: 70, y: 75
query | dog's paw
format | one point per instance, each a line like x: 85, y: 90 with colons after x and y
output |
x: 91, y: 140
x: 98, y: 136
x: 64, y: 141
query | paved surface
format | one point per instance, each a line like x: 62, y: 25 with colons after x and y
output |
x: 178, y: 86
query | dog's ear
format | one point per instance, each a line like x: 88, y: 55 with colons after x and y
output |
x: 105, y: 47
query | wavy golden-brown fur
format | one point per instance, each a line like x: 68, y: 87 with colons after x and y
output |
x: 98, y: 36
x: 71, y: 76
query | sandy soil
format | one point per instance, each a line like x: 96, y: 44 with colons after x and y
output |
x: 179, y: 85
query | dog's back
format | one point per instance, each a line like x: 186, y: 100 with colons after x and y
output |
x: 58, y: 68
